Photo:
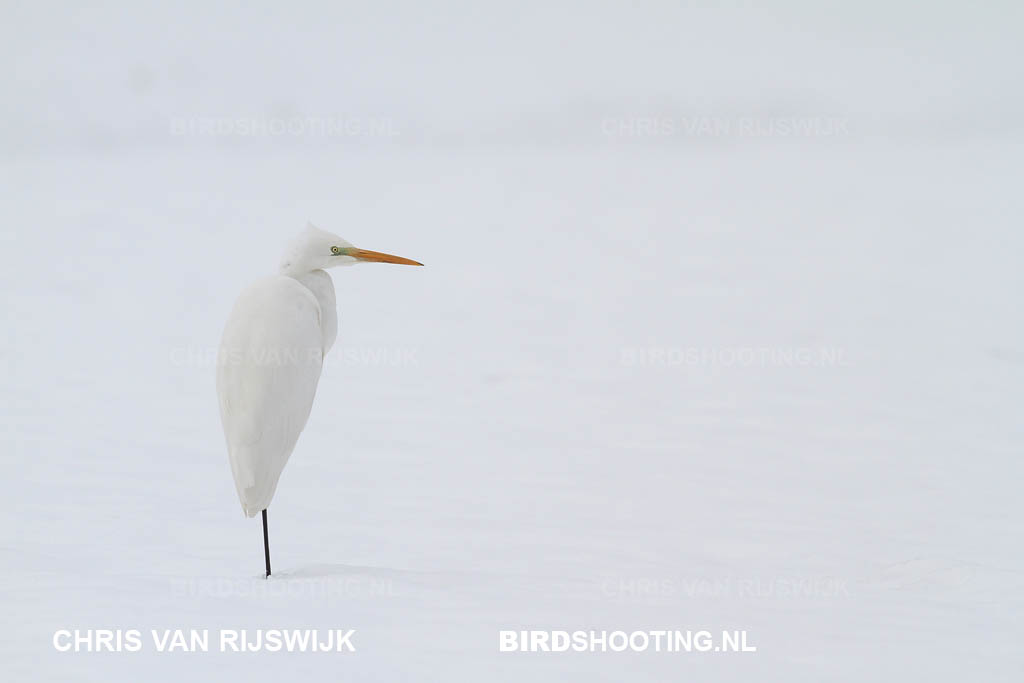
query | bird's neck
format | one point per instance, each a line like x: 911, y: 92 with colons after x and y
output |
x: 320, y: 284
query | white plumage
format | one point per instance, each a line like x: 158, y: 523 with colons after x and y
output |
x: 271, y: 357
x: 272, y: 354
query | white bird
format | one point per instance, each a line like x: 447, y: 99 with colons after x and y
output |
x: 270, y: 360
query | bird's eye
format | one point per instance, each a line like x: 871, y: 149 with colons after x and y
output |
x: 335, y: 250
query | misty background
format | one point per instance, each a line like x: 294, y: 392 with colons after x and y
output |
x: 720, y: 328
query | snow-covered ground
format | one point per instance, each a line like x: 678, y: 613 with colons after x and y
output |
x: 685, y: 374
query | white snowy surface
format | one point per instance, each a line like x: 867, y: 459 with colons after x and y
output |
x: 552, y: 424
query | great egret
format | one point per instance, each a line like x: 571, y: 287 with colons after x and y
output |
x: 270, y: 360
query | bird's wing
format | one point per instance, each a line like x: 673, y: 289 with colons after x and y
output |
x: 270, y: 360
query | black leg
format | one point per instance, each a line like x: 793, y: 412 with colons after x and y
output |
x: 266, y: 542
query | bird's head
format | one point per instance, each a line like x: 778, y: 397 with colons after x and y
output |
x: 316, y: 249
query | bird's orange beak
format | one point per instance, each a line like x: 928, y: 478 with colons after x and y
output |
x: 367, y: 255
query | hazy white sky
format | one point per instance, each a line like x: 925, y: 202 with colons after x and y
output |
x: 117, y: 73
